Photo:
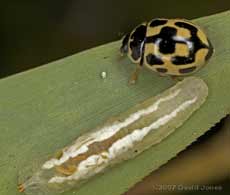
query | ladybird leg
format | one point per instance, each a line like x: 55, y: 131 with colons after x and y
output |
x: 21, y: 188
x: 135, y: 74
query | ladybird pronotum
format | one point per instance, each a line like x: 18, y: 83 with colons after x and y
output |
x: 122, y: 138
x: 175, y: 47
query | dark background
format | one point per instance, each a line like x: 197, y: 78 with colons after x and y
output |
x: 34, y: 33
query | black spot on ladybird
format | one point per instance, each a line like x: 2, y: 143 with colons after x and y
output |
x: 161, y: 70
x: 167, y: 44
x: 179, y: 60
x: 191, y: 28
x: 164, y: 40
x: 139, y: 33
x: 157, y: 22
x: 153, y: 60
x: 187, y: 70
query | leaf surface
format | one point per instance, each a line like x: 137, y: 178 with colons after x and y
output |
x: 45, y: 109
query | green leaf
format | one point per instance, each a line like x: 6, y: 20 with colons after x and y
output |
x: 46, y: 108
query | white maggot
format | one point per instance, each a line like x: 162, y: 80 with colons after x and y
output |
x: 122, y: 138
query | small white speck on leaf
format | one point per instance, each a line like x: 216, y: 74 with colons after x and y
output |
x: 103, y: 75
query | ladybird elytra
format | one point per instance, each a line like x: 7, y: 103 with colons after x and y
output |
x: 175, y: 47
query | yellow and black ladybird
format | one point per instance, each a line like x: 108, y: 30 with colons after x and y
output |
x: 175, y: 47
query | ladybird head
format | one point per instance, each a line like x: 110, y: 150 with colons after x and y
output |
x: 124, y: 46
x: 133, y: 43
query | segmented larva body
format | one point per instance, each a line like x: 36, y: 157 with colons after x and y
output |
x: 123, y: 138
